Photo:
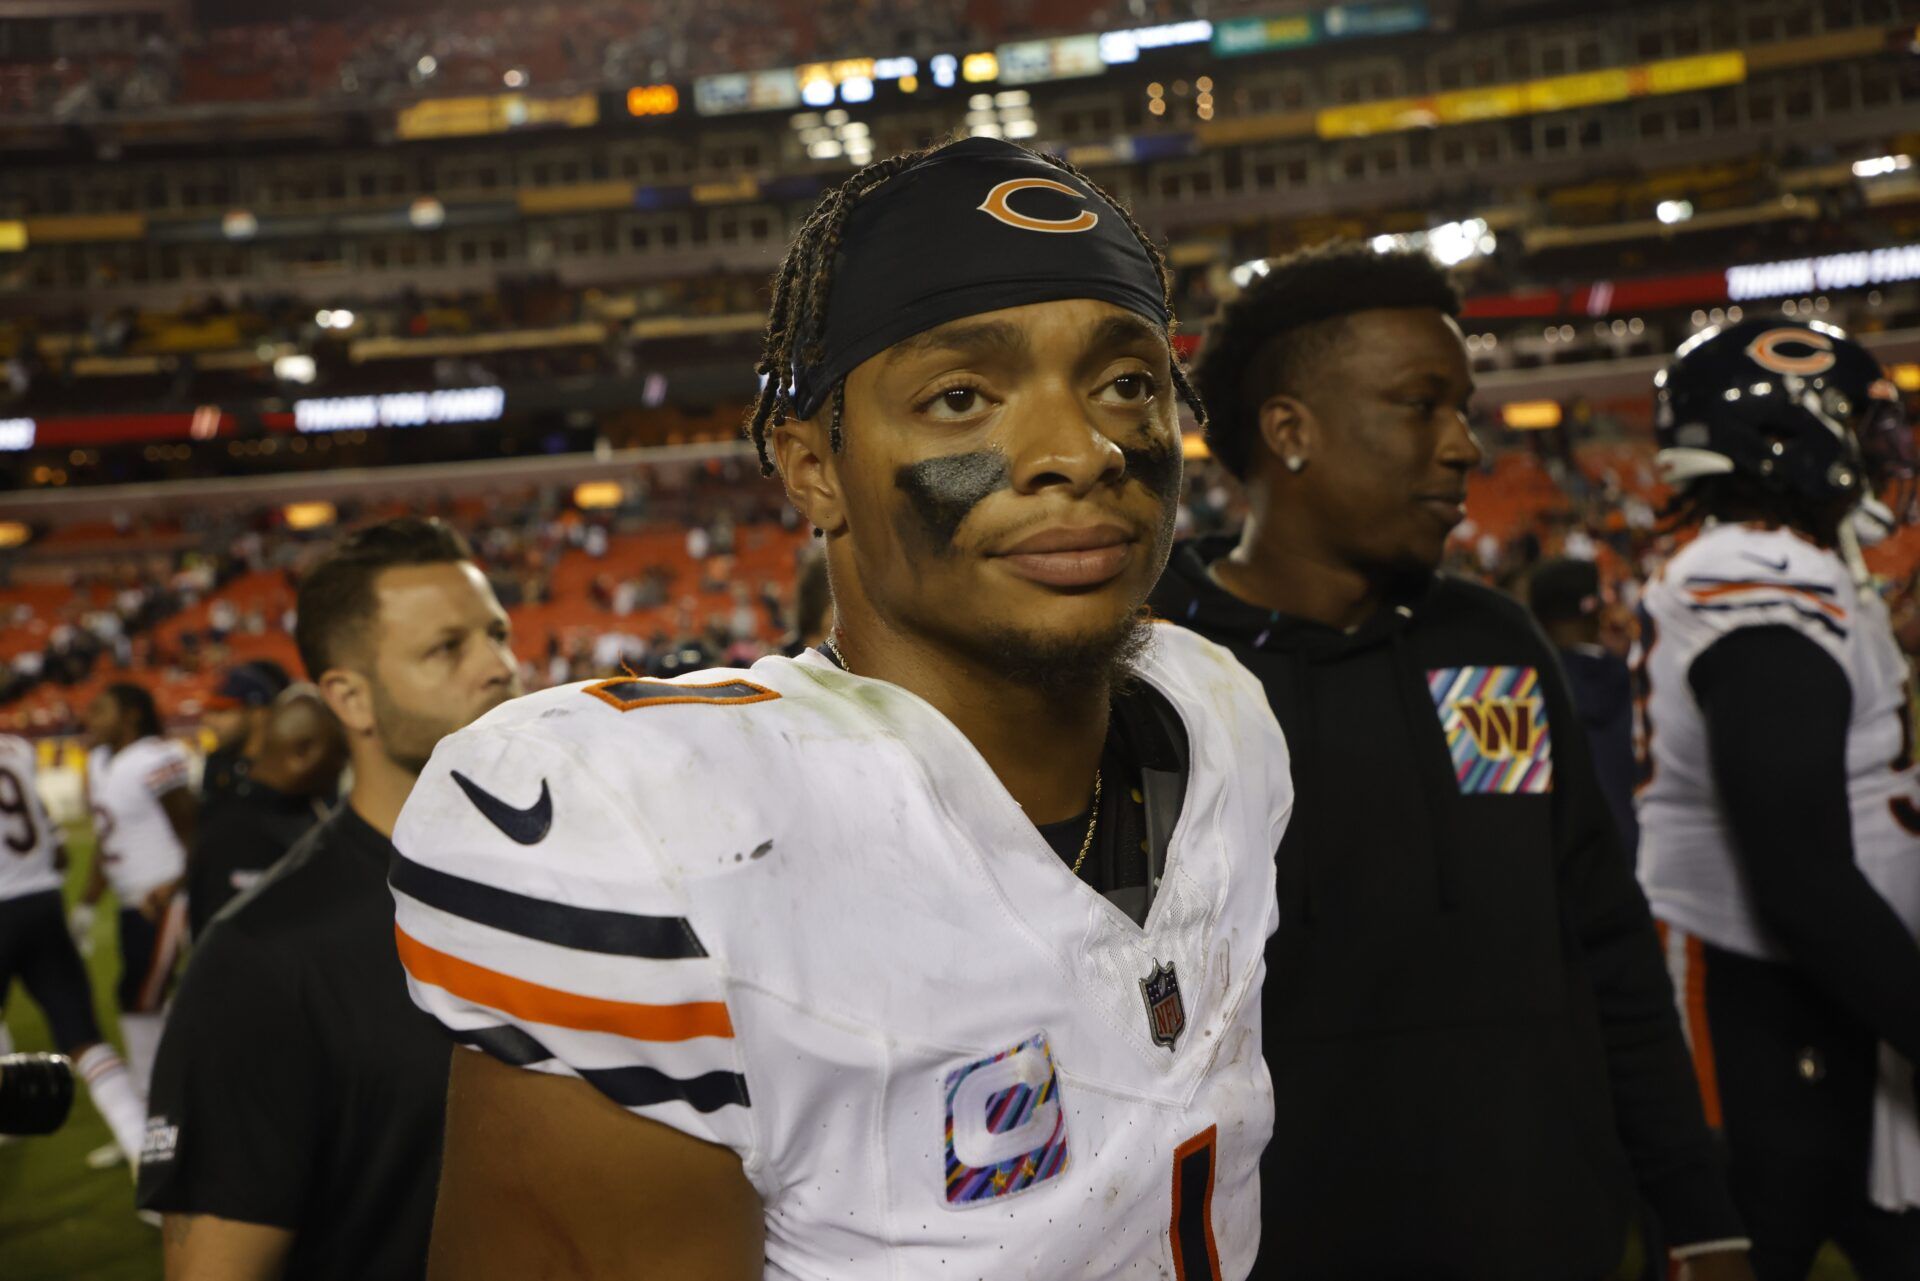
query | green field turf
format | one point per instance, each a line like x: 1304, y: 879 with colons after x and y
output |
x: 60, y: 1221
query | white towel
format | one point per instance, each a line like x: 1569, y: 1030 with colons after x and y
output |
x: 1894, y: 1181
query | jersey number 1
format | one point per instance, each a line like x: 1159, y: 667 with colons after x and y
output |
x: 1195, y: 1256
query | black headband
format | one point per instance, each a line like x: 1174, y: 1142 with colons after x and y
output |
x: 976, y: 226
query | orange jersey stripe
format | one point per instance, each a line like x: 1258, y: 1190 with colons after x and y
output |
x: 1723, y: 589
x: 1704, y: 1069
x: 555, y: 1008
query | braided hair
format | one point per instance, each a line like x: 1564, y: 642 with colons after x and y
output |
x: 797, y: 318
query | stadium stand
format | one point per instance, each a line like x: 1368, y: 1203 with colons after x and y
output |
x: 266, y: 277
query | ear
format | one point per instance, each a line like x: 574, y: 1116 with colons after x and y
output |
x: 350, y: 695
x: 804, y: 456
x: 1289, y: 431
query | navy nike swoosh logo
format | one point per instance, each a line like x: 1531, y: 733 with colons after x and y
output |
x: 528, y: 826
x: 1779, y: 568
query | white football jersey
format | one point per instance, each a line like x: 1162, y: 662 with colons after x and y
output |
x: 137, y: 844
x: 28, y: 837
x: 1736, y: 576
x: 792, y: 911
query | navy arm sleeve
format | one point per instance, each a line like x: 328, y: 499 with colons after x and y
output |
x: 1777, y: 707
x: 1657, y: 1109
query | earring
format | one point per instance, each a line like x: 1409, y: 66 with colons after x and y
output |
x: 1296, y: 464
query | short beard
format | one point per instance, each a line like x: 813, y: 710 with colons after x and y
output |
x: 408, y: 738
x: 1056, y: 668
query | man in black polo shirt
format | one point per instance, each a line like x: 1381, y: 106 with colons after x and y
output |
x: 294, y: 1126
x: 1478, y: 1070
x: 291, y: 783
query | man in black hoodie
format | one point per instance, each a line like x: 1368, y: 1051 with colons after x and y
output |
x: 1478, y: 1070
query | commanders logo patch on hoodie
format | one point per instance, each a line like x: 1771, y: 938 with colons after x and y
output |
x: 1495, y: 720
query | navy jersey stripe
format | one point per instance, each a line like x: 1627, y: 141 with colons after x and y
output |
x: 587, y: 929
x: 1839, y: 632
x: 630, y: 1087
x: 508, y: 1044
x: 1708, y: 580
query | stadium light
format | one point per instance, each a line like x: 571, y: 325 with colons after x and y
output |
x: 16, y: 434
x: 1673, y: 211
x: 980, y: 67
x: 945, y: 67
x: 856, y: 89
x: 1248, y: 272
x: 653, y: 100
x: 514, y: 79
x: 1453, y: 243
x: 1530, y: 415
x: 1450, y: 243
x: 427, y: 65
x: 309, y: 515
x: 239, y: 224
x: 295, y: 369
x: 1881, y: 166
x: 817, y: 93
x: 597, y: 495
x: 13, y: 533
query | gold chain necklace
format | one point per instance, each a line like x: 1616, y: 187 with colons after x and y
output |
x: 827, y: 643
x: 1091, y: 826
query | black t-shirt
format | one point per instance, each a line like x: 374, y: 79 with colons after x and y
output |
x: 240, y: 839
x: 297, y: 1085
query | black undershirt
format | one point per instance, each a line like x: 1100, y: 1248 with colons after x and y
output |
x: 1117, y: 863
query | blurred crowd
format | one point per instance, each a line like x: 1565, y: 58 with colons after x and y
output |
x: 378, y: 53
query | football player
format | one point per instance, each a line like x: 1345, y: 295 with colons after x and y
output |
x: 36, y: 948
x: 1780, y: 816
x: 937, y: 950
x: 139, y: 787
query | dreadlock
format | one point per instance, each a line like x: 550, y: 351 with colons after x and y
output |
x: 797, y: 318
x: 1737, y: 498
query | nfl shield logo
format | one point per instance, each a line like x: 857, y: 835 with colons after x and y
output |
x: 1166, y: 1013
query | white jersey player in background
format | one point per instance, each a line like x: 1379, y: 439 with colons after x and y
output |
x: 139, y: 789
x: 36, y: 949
x: 1780, y: 818
x: 936, y: 953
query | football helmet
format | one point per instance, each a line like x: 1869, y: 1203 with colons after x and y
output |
x: 1801, y: 409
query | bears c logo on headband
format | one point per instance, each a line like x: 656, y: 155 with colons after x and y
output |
x: 996, y: 205
x: 1766, y: 352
